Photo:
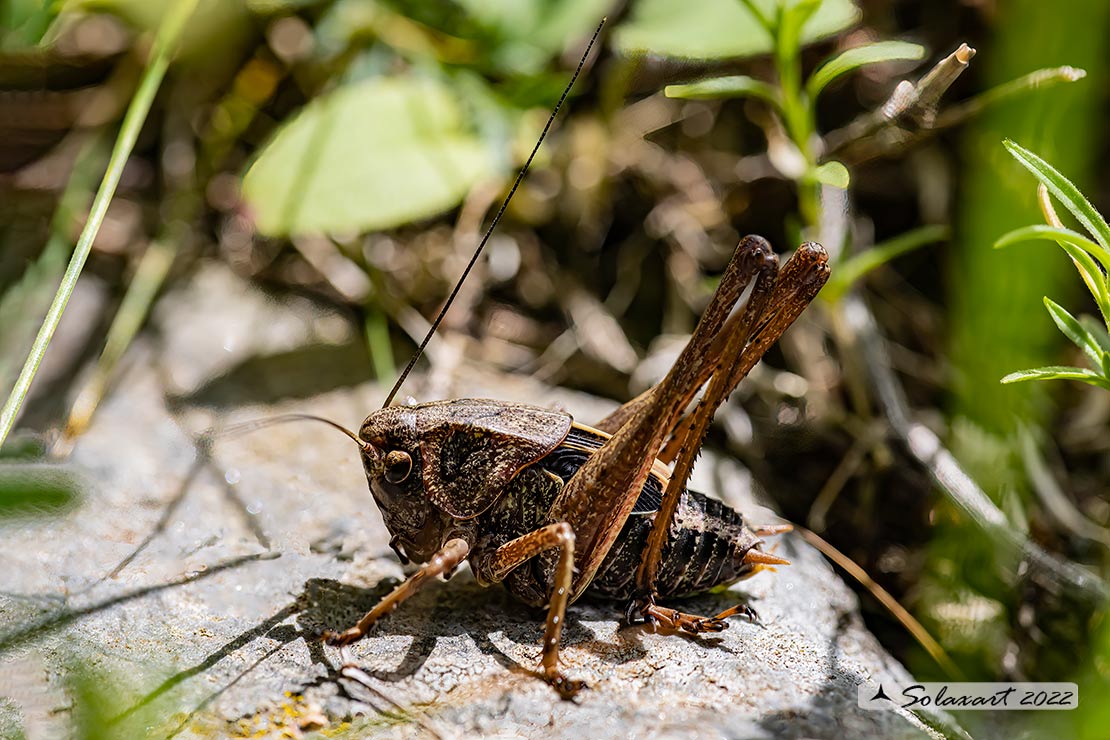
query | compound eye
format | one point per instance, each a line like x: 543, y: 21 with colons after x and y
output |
x: 398, y: 465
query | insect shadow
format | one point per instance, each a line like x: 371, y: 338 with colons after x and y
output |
x: 463, y: 608
x: 459, y: 608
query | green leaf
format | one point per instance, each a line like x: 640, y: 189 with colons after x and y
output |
x: 736, y: 86
x: 852, y: 59
x: 1080, y: 249
x: 1058, y: 372
x: 1074, y: 331
x: 718, y: 29
x: 372, y: 155
x: 523, y: 36
x: 1098, y: 331
x: 832, y: 173
x: 851, y: 270
x: 1100, y: 334
x: 1064, y: 191
x: 23, y: 23
x: 1067, y: 236
x: 1093, y: 277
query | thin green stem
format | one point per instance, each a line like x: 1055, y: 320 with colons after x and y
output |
x: 761, y: 18
x: 851, y: 270
x: 379, y: 343
x: 168, y: 33
x: 798, y: 115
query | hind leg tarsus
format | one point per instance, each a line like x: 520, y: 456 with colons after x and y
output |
x: 691, y: 624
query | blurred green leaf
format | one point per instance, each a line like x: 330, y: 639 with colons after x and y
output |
x: 1064, y: 191
x: 23, y: 22
x: 852, y: 59
x: 1058, y: 372
x: 832, y: 173
x: 372, y: 155
x: 852, y: 269
x: 99, y: 689
x: 1074, y: 331
x: 718, y: 29
x: 534, y: 31
x: 22, y: 447
x: 735, y: 86
x: 29, y: 489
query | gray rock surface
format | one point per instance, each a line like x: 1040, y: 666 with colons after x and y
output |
x: 194, y: 586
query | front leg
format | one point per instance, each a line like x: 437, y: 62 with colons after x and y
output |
x: 444, y: 561
x: 512, y: 554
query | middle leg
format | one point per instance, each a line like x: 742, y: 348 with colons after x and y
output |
x: 498, y: 564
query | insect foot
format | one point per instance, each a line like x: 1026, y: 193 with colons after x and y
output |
x: 568, y: 688
x: 344, y: 638
x: 671, y: 619
x: 691, y: 624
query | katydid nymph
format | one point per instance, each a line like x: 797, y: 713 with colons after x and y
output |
x: 555, y: 509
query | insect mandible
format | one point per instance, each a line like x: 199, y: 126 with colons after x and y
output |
x: 554, y: 509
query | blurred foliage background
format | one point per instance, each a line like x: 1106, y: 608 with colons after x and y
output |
x: 353, y: 150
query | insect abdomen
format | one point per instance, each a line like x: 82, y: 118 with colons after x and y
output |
x: 705, y: 548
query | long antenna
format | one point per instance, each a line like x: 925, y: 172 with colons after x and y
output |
x: 493, y: 223
x: 234, y: 430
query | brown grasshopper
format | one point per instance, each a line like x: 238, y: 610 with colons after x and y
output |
x: 555, y: 509
x: 500, y: 484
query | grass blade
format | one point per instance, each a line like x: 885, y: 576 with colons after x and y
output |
x: 1093, y: 277
x: 165, y: 41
